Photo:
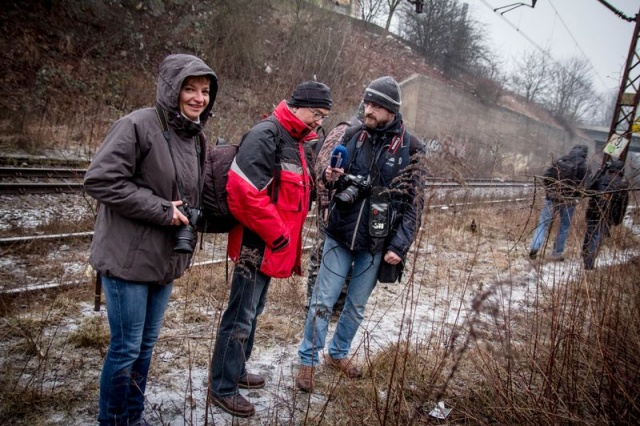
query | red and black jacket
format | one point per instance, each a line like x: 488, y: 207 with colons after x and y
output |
x: 270, y: 230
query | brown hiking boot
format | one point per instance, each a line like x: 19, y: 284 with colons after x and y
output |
x: 235, y: 405
x: 305, y: 378
x: 556, y: 258
x: 344, y: 365
x: 251, y: 381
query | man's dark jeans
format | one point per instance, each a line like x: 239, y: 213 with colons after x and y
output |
x: 237, y: 329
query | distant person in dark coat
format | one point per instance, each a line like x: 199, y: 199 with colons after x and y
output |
x: 608, y: 198
x: 563, y: 182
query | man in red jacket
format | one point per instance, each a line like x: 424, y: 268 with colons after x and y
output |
x: 269, y: 190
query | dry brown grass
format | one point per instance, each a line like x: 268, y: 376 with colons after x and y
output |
x: 568, y: 353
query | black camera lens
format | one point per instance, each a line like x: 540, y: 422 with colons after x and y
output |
x: 348, y: 196
x: 185, y: 239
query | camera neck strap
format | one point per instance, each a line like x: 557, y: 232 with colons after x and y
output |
x: 162, y: 117
x: 373, y: 158
x: 396, y: 143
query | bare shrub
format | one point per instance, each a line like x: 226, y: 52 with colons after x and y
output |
x: 90, y: 334
x: 235, y: 46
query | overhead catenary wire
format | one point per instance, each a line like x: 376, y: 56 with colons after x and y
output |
x: 577, y: 44
x: 544, y: 51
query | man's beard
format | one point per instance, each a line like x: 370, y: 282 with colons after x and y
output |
x: 372, y: 123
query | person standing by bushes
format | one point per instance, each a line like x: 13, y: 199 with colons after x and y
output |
x: 267, y: 243
x: 608, y: 198
x: 142, y: 178
x: 374, y: 216
x: 563, y: 182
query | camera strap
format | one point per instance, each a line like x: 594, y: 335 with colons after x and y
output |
x: 162, y: 117
x: 396, y: 142
x: 277, y: 165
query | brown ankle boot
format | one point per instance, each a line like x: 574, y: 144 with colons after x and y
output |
x: 344, y: 365
x: 304, y: 379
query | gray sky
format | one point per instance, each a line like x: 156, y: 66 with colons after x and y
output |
x: 568, y: 27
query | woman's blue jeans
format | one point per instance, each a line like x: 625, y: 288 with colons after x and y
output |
x: 565, y: 210
x: 135, y: 311
x: 237, y: 329
x: 335, y: 265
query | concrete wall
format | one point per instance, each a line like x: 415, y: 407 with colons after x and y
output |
x: 480, y: 132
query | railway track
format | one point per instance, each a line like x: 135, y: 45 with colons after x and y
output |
x: 5, y: 241
x: 52, y: 180
x: 44, y: 251
x: 12, y: 244
x: 40, y: 180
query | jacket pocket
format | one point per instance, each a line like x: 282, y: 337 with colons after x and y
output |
x: 291, y: 193
x: 279, y: 264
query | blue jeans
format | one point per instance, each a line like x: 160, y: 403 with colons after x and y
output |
x: 135, y: 311
x: 565, y: 210
x: 334, y: 268
x: 596, y: 231
x: 237, y: 328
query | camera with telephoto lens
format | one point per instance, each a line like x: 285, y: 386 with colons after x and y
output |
x: 186, y: 234
x: 359, y: 185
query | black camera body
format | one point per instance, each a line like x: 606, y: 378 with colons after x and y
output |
x: 358, y: 186
x: 186, y: 235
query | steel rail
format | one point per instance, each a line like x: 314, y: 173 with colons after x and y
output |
x: 70, y: 172
x: 41, y: 172
x: 40, y: 187
x: 70, y: 187
x: 31, y: 238
x: 49, y: 237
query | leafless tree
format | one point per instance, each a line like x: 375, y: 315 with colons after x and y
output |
x: 571, y: 93
x: 604, y: 115
x: 445, y: 35
x: 392, y: 6
x: 530, y: 78
x: 369, y: 9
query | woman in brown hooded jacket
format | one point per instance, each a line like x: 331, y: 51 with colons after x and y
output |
x: 145, y: 181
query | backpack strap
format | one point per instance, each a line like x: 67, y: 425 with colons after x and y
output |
x: 322, y: 135
x: 277, y: 166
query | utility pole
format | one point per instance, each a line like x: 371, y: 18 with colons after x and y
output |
x: 622, y: 124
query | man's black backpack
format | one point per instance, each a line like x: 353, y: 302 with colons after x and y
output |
x: 562, y: 178
x: 216, y: 215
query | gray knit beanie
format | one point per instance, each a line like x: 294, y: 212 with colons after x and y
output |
x: 385, y: 92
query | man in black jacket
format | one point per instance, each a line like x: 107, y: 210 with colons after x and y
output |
x: 322, y: 204
x: 563, y: 183
x: 374, y: 217
x: 608, y: 198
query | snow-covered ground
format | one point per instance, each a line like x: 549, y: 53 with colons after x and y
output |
x: 435, y: 298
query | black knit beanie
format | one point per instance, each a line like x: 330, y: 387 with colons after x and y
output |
x: 311, y: 94
x: 385, y: 92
